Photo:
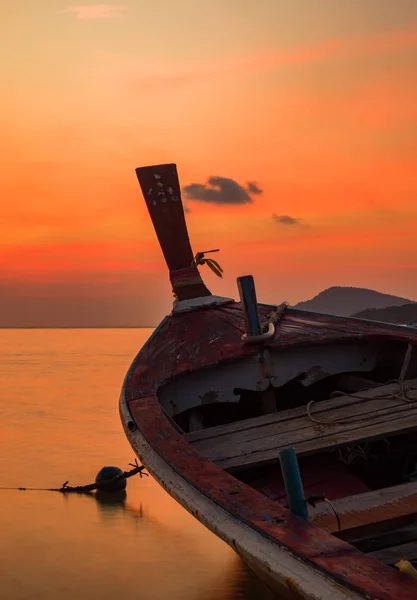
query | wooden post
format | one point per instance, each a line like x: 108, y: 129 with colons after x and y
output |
x: 195, y: 420
x: 406, y: 362
x: 293, y: 483
x: 247, y: 293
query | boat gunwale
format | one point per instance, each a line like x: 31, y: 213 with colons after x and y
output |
x: 349, y: 318
x: 389, y: 332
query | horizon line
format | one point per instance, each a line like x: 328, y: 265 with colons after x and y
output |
x: 78, y: 327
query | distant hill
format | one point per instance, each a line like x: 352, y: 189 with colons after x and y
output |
x: 405, y: 314
x: 346, y: 301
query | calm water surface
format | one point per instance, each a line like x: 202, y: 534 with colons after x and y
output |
x: 59, y: 421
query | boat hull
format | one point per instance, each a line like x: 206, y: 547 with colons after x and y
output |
x: 283, y: 573
x: 292, y: 556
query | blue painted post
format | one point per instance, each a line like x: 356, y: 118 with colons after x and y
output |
x: 247, y: 293
x: 293, y: 483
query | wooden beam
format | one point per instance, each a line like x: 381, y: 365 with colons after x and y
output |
x: 406, y: 362
x: 195, y: 420
x: 390, y: 556
x: 366, y: 535
x: 401, y: 532
x: 366, y: 508
x: 268, y: 402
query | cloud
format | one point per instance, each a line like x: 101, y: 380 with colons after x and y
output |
x: 351, y: 47
x: 334, y: 49
x: 222, y: 190
x: 253, y: 188
x: 95, y: 11
x: 286, y: 219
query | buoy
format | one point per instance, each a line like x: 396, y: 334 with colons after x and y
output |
x: 108, y: 473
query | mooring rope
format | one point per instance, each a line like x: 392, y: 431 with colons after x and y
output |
x: 275, y: 316
x: 391, y: 395
x: 80, y: 489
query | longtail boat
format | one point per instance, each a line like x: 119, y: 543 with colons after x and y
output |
x: 289, y: 434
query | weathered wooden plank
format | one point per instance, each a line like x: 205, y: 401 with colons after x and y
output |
x: 316, y: 438
x: 321, y: 410
x: 255, y: 456
x: 364, y: 507
x: 340, y: 419
x: 371, y: 539
x: 390, y: 556
x: 347, y: 422
x: 303, y: 429
x: 372, y: 520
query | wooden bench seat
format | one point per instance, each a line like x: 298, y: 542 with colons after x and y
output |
x: 257, y: 441
x: 361, y: 510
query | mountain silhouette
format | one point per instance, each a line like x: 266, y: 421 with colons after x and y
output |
x: 404, y: 315
x: 348, y: 301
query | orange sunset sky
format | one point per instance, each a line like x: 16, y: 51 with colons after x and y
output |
x: 314, y: 100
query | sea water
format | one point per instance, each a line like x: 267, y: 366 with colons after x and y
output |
x: 59, y: 422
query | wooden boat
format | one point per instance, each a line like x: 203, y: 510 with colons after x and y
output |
x: 222, y: 394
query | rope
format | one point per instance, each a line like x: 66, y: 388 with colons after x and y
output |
x: 184, y: 277
x: 65, y: 488
x: 190, y: 276
x: 390, y: 395
x: 313, y: 499
x: 401, y: 396
x: 275, y: 316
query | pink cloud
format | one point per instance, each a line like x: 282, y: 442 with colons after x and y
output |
x: 95, y: 11
x: 342, y: 48
x: 348, y: 48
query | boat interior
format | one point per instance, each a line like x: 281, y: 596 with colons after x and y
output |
x: 350, y: 411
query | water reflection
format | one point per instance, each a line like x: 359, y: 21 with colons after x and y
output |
x: 141, y: 544
x: 110, y: 503
x: 237, y: 582
x: 111, y: 506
